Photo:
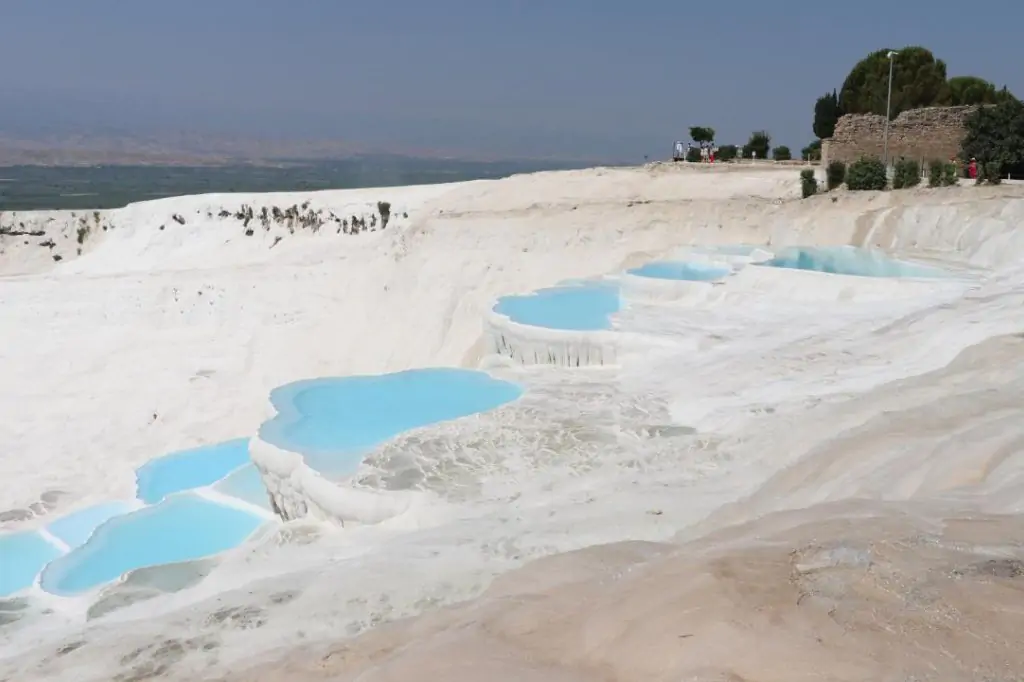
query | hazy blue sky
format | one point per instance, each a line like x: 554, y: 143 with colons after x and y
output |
x: 592, y: 78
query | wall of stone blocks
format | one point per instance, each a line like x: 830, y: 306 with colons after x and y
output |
x: 921, y: 134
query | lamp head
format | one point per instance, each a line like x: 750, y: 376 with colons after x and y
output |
x: 892, y: 53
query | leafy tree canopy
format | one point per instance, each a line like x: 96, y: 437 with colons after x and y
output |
x: 760, y: 141
x: 964, y: 90
x: 996, y: 135
x: 702, y: 134
x: 918, y: 80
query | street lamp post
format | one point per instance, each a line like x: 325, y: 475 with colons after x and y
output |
x: 888, y: 105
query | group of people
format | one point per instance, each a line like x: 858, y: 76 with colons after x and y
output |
x: 707, y: 152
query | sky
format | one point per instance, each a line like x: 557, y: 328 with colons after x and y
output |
x: 593, y: 79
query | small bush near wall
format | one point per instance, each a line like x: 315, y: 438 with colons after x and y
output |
x: 727, y: 152
x: 866, y: 174
x: 949, y: 174
x: 991, y: 173
x: 808, y: 183
x: 935, y: 173
x: 835, y: 174
x: 907, y: 174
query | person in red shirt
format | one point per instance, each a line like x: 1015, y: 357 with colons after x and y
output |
x: 972, y: 169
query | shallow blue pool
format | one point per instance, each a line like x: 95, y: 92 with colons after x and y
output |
x: 583, y: 307
x: 849, y: 260
x: 682, y: 270
x: 181, y: 528
x: 76, y: 528
x: 190, y: 469
x: 245, y: 484
x: 334, y: 421
x: 22, y: 556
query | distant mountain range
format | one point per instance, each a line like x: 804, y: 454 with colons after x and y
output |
x: 203, y: 150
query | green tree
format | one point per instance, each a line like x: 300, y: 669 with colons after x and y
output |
x: 702, y: 134
x: 760, y: 141
x: 1003, y: 95
x: 918, y: 80
x: 965, y: 90
x: 811, y: 152
x: 996, y: 135
x: 826, y: 113
x: 782, y: 153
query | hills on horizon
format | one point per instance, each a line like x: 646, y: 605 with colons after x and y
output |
x: 193, y: 149
x: 104, y: 186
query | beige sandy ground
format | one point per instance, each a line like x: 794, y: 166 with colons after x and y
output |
x: 866, y: 592
x: 885, y: 543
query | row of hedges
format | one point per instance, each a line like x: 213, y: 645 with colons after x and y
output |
x: 869, y: 174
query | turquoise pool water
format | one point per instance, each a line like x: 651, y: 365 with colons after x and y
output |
x: 22, y: 556
x: 105, y: 540
x: 332, y: 422
x: 76, y: 528
x: 849, y: 260
x: 577, y: 307
x: 682, y: 270
x: 189, y: 469
x: 245, y: 484
x: 181, y: 528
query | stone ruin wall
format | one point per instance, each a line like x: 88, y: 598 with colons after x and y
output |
x: 921, y: 134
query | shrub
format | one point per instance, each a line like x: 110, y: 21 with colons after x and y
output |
x: 949, y: 174
x: 727, y: 152
x: 935, y: 172
x: 782, y: 153
x: 835, y: 174
x: 693, y: 154
x: 911, y: 173
x: 992, y: 171
x: 384, y: 209
x: 866, y: 174
x: 907, y: 174
x: 808, y: 183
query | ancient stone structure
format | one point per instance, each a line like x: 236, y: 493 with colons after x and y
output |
x: 921, y: 134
